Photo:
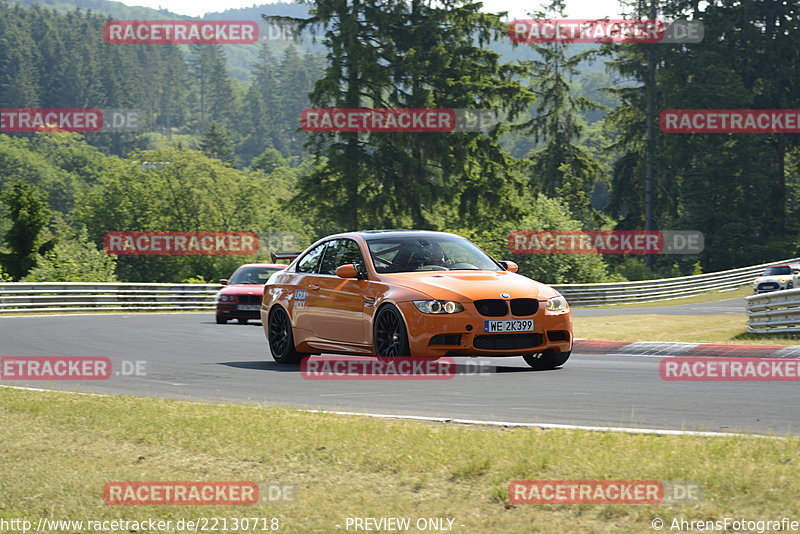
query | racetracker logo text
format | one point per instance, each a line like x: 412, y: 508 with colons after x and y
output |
x: 585, y: 31
x: 181, y: 243
x: 605, y: 242
x: 604, y: 492
x: 729, y: 369
x: 604, y: 31
x: 27, y: 120
x: 397, y: 120
x: 180, y: 32
x: 358, y: 368
x: 198, y: 493
x: 730, y: 121
x: 55, y: 368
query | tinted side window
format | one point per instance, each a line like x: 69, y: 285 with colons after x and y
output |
x: 339, y: 252
x: 309, y: 262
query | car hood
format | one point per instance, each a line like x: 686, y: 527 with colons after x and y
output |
x: 471, y: 285
x: 242, y: 289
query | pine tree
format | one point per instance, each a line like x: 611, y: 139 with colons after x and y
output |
x: 216, y: 143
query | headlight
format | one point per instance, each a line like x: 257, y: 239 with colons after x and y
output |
x: 224, y: 298
x: 558, y: 303
x: 438, y: 306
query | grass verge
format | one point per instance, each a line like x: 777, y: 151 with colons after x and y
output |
x: 716, y: 328
x: 60, y: 449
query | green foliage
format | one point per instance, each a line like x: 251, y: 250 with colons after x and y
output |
x: 195, y: 280
x: 74, y: 258
x: 26, y: 237
x: 268, y: 161
x: 4, y: 276
x: 216, y: 144
x: 188, y: 192
x: 632, y: 268
x: 541, y: 213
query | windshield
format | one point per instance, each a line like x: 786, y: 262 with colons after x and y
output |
x: 776, y: 271
x: 429, y: 253
x: 251, y: 275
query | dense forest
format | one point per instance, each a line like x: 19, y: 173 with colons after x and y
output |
x: 570, y: 152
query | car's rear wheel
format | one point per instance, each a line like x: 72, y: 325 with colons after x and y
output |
x: 241, y: 320
x: 389, y: 334
x: 221, y: 320
x: 549, y: 359
x: 281, y: 339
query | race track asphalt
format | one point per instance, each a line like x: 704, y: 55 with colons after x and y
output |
x: 736, y: 305
x: 188, y: 356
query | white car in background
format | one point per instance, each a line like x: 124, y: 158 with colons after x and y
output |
x: 777, y: 277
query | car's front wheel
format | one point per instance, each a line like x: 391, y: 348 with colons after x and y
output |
x: 281, y: 338
x: 221, y: 320
x: 549, y: 359
x: 389, y: 334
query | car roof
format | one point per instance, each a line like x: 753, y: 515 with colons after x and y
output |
x: 268, y: 265
x: 785, y: 265
x: 389, y: 233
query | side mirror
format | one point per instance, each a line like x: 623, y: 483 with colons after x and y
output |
x: 348, y: 270
x: 224, y: 281
x: 509, y: 266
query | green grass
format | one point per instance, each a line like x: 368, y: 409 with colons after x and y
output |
x: 714, y: 328
x: 59, y: 450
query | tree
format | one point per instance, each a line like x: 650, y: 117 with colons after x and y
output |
x: 26, y: 238
x: 731, y: 187
x: 259, y: 125
x: 268, y: 161
x: 215, y: 92
x: 542, y: 213
x: 216, y: 143
x: 562, y: 167
x: 73, y: 259
x: 419, y: 54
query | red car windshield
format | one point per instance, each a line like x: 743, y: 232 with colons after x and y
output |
x: 252, y: 275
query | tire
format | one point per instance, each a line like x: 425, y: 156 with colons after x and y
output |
x: 241, y: 320
x: 281, y: 339
x: 389, y: 335
x: 221, y: 320
x: 549, y: 359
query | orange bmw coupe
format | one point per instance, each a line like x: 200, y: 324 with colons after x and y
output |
x: 390, y: 293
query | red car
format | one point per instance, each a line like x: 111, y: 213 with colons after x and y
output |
x: 241, y: 299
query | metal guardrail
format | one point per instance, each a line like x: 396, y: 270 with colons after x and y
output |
x: 777, y: 312
x: 662, y: 289
x: 18, y: 297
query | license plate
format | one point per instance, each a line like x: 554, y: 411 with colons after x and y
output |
x: 248, y: 307
x: 508, y: 325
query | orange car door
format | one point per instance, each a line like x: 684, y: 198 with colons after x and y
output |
x: 338, y: 308
x: 303, y: 288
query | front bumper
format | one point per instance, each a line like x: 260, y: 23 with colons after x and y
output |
x: 462, y: 334
x: 231, y: 311
x: 768, y: 287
